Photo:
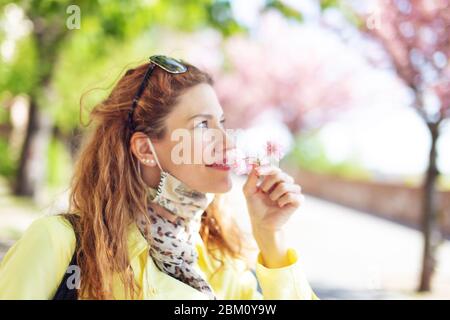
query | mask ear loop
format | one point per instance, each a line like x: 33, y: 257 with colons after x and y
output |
x: 163, y: 174
x: 145, y: 217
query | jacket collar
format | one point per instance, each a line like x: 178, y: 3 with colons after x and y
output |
x: 136, y: 241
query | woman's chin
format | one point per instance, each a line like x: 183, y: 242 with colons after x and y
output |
x: 222, y: 184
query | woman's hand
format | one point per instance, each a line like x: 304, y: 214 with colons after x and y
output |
x: 270, y: 205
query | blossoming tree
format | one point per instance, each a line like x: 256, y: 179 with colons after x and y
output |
x: 416, y: 35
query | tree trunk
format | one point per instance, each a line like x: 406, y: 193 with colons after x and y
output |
x: 33, y: 161
x: 32, y: 167
x: 430, y: 224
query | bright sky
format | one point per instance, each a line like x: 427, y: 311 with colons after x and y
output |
x: 393, y: 141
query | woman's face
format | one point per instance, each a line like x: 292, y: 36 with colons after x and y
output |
x: 194, y: 144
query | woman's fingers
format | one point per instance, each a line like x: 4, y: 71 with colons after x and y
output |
x: 280, y: 186
x: 272, y: 175
x: 267, y: 169
x: 283, y: 188
x: 290, y: 198
x: 249, y: 186
x: 271, y: 180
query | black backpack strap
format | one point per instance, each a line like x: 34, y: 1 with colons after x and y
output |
x: 64, y: 292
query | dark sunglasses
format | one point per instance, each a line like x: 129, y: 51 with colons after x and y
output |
x: 168, y: 64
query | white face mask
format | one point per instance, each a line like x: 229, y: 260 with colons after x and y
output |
x: 175, y: 196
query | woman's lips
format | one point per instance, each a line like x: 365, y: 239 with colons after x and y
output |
x: 219, y: 166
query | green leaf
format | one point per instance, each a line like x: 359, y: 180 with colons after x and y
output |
x: 284, y: 9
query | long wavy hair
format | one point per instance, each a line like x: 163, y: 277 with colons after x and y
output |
x: 108, y: 193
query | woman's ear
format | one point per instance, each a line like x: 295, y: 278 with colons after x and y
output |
x: 140, y: 146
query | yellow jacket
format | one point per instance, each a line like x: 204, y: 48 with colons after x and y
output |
x: 34, y: 267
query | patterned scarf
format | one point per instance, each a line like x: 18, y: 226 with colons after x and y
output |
x: 172, y: 243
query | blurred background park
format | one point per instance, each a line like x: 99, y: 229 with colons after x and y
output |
x: 356, y: 92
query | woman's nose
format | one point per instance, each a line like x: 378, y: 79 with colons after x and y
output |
x: 224, y: 144
x: 230, y: 142
x: 229, y: 147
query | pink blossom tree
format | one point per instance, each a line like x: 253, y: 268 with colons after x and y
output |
x: 303, y: 71
x: 416, y: 36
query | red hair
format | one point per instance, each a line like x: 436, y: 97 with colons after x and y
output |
x: 107, y: 191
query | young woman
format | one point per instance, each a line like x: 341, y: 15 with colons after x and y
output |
x: 143, y: 226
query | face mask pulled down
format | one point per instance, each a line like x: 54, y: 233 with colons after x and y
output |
x: 172, y: 242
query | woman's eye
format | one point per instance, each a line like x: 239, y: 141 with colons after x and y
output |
x: 203, y: 124
x: 222, y: 122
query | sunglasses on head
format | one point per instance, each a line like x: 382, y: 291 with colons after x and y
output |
x: 168, y: 64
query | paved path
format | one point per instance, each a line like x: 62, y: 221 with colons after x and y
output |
x: 350, y: 254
